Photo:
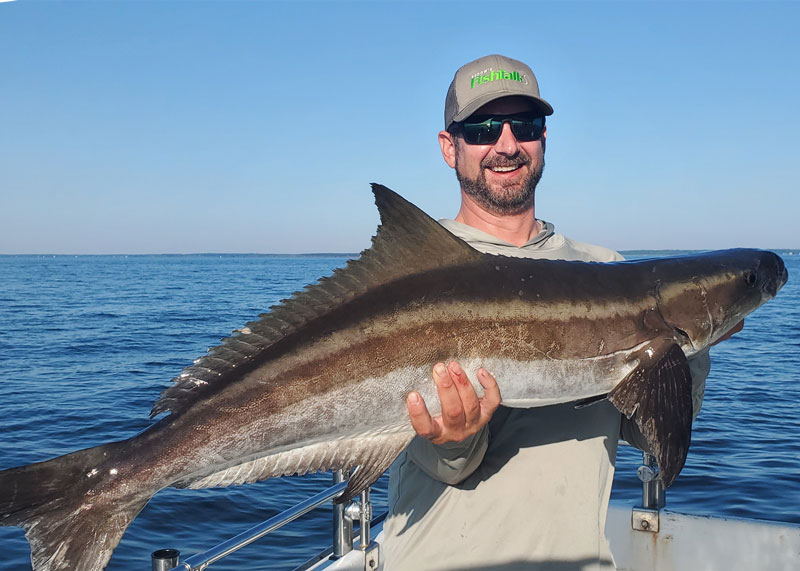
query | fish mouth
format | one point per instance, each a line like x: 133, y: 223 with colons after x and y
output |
x: 784, y: 277
x: 772, y: 284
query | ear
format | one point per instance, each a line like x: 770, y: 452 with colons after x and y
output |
x: 544, y: 139
x: 448, y: 146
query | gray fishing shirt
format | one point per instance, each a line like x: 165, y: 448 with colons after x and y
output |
x: 530, y: 490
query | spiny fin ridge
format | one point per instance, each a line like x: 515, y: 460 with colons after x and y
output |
x: 407, y: 242
x: 371, y: 453
x: 657, y: 397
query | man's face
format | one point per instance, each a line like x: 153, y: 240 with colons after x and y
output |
x: 501, y: 177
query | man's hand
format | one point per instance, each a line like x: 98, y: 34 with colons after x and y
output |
x: 463, y: 413
x: 735, y: 329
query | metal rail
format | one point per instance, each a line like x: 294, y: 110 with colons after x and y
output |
x: 202, y: 560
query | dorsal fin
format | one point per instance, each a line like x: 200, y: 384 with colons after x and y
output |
x: 410, y: 239
x: 408, y: 242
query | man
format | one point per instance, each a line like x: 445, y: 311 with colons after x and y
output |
x: 484, y: 486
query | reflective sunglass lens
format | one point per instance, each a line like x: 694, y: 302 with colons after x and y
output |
x: 482, y: 133
x: 486, y: 130
x: 527, y: 130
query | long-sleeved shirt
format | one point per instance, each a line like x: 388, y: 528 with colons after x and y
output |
x: 531, y: 489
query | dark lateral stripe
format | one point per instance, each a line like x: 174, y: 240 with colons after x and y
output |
x: 408, y: 242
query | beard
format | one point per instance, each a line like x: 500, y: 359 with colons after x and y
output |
x: 506, y: 198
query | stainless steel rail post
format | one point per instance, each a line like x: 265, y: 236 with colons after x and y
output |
x: 342, y: 525
x: 654, y: 496
x: 165, y: 559
x: 646, y: 516
x: 362, y: 510
x: 365, y: 519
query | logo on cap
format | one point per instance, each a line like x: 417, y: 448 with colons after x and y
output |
x: 489, y: 75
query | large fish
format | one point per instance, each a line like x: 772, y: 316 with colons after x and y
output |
x: 320, y: 381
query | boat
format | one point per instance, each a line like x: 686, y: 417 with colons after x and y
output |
x: 644, y: 536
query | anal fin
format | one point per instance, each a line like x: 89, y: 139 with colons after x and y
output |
x: 370, y: 453
x: 657, y: 397
x: 373, y: 464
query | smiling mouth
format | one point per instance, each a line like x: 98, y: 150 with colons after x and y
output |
x: 504, y: 169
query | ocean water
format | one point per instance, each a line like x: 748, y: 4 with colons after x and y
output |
x: 89, y: 342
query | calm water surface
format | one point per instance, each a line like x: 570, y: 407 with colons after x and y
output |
x: 89, y: 342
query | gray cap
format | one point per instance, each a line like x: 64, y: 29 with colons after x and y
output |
x: 486, y: 79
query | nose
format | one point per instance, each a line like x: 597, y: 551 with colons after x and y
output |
x: 507, y: 144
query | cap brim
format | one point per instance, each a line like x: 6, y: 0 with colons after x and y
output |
x: 479, y: 102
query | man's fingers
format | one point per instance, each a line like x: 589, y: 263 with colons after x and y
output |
x: 463, y: 413
x: 466, y: 392
x: 452, y: 408
x: 491, y: 397
x: 420, y: 417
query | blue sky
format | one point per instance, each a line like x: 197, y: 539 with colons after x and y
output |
x: 159, y: 127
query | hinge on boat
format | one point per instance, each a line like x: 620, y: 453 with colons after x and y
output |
x: 344, y: 516
x: 362, y: 511
x: 643, y: 519
x: 372, y: 557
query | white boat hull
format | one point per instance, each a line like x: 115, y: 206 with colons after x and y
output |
x: 683, y: 543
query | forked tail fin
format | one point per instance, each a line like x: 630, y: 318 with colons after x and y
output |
x: 72, y: 515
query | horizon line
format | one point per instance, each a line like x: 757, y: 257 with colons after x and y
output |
x: 342, y: 254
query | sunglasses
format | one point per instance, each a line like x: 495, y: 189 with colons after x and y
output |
x: 486, y: 129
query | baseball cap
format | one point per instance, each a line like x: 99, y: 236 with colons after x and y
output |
x: 486, y: 79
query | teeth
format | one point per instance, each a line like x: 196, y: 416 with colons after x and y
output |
x: 504, y: 169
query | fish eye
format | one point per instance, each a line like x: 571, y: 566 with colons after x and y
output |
x: 750, y: 277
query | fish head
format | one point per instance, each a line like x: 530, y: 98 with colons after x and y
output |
x: 702, y: 297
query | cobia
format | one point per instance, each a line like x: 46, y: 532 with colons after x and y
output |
x: 320, y: 381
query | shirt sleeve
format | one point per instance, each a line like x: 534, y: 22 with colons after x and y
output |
x: 699, y: 367
x: 451, y: 462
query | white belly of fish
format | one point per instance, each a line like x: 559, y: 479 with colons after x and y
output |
x: 523, y: 384
x: 338, y: 426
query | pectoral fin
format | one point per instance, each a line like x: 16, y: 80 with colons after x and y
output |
x: 657, y: 397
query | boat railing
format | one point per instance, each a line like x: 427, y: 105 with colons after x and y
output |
x: 343, y: 518
x: 644, y: 518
